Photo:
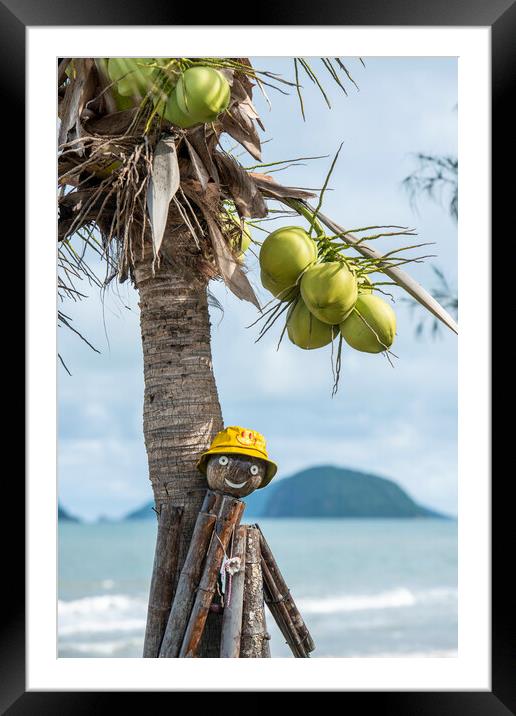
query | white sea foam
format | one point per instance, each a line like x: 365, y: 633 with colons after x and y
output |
x: 101, y: 613
x: 120, y: 613
x: 392, y: 599
x: 105, y: 648
x: 98, y: 603
x: 436, y: 654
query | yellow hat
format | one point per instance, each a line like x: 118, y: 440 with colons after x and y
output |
x: 240, y: 441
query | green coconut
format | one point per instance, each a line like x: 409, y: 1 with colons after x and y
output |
x: 174, y: 115
x: 202, y: 94
x: 133, y: 75
x: 371, y: 326
x: 275, y: 288
x: 329, y: 291
x: 240, y: 239
x: 121, y: 102
x: 305, y: 330
x: 284, y: 255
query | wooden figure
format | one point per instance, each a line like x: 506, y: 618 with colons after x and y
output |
x: 229, y: 567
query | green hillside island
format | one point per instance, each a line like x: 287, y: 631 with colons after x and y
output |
x: 326, y: 491
x: 64, y: 516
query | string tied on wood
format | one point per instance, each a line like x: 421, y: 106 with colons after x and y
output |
x: 230, y: 566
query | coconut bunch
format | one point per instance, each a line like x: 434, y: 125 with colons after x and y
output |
x: 325, y: 293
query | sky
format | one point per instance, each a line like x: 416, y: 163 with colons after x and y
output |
x: 396, y: 421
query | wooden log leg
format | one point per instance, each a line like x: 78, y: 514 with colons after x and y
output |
x: 253, y: 619
x: 229, y: 517
x: 266, y: 646
x: 163, y: 577
x: 232, y: 615
x: 190, y: 576
x: 283, y: 593
x: 276, y: 603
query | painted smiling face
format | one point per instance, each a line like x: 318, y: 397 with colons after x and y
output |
x: 236, y: 475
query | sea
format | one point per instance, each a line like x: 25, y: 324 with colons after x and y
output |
x: 365, y: 588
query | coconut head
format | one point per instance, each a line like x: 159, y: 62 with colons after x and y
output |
x: 371, y: 326
x: 284, y: 255
x: 234, y: 474
x: 329, y: 291
x: 305, y: 330
x: 202, y: 94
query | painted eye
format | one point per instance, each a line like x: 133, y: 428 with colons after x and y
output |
x: 223, y: 460
x: 253, y: 469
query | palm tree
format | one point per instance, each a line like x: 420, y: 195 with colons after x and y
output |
x: 164, y: 205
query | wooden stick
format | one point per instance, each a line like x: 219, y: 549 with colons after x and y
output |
x: 229, y: 517
x: 163, y: 577
x: 190, y: 576
x: 284, y: 593
x: 276, y: 603
x: 232, y: 615
x: 253, y: 618
x: 266, y: 646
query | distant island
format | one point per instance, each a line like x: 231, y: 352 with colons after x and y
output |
x: 326, y: 491
x: 64, y: 516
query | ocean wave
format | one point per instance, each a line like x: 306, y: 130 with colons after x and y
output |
x: 100, y: 603
x: 392, y: 599
x: 106, y: 613
x: 431, y: 654
x: 104, y: 648
x: 101, y: 614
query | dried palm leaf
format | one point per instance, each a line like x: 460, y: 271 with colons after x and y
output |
x: 240, y: 187
x: 199, y: 170
x: 232, y: 274
x: 162, y: 187
x: 271, y: 189
x: 237, y: 123
x: 79, y: 90
x: 203, y: 145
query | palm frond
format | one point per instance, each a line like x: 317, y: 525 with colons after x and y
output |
x: 437, y: 178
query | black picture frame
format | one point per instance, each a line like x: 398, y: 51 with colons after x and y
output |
x: 500, y: 16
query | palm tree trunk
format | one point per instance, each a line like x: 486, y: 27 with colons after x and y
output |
x: 181, y: 411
